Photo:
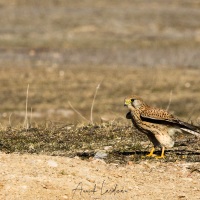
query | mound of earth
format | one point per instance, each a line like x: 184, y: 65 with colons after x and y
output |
x: 52, y: 177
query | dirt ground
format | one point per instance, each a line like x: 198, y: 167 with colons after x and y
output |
x: 47, y: 177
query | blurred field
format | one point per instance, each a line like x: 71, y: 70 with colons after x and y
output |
x: 119, y: 33
x: 64, y: 49
x: 51, y: 90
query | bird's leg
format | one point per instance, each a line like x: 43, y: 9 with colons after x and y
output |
x: 162, y: 154
x: 151, y: 153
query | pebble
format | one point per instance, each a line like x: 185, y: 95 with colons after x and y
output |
x: 108, y: 148
x: 100, y: 155
x: 52, y: 163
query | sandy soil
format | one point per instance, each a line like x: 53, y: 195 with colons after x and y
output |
x: 47, y: 177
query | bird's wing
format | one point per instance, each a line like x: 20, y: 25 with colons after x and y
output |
x: 160, y: 116
x: 157, y: 115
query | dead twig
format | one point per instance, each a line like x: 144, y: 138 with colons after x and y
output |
x: 26, y: 114
x: 170, y: 100
x: 77, y: 111
x: 92, y: 106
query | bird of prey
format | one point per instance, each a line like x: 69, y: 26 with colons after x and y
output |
x: 159, y: 125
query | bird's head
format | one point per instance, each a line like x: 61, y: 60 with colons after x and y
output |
x: 133, y: 102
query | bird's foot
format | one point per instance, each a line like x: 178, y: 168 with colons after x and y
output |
x: 151, y: 155
x: 160, y: 157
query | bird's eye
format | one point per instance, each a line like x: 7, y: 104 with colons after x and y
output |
x: 132, y: 100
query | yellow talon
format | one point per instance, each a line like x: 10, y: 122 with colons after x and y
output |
x: 151, y: 153
x: 162, y: 154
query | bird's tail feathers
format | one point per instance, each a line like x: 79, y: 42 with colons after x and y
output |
x: 189, y: 126
x: 191, y: 131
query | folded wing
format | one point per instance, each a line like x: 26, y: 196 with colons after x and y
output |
x: 160, y: 116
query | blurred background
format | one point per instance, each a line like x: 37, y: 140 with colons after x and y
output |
x: 63, y: 50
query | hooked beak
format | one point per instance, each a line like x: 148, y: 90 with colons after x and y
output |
x: 127, y: 102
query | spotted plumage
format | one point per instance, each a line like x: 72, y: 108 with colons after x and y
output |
x: 159, y: 125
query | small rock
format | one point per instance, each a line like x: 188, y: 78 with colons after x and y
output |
x: 65, y: 197
x: 100, y: 155
x: 52, y: 163
x: 108, y: 148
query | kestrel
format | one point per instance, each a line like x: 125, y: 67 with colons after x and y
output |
x: 159, y: 125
